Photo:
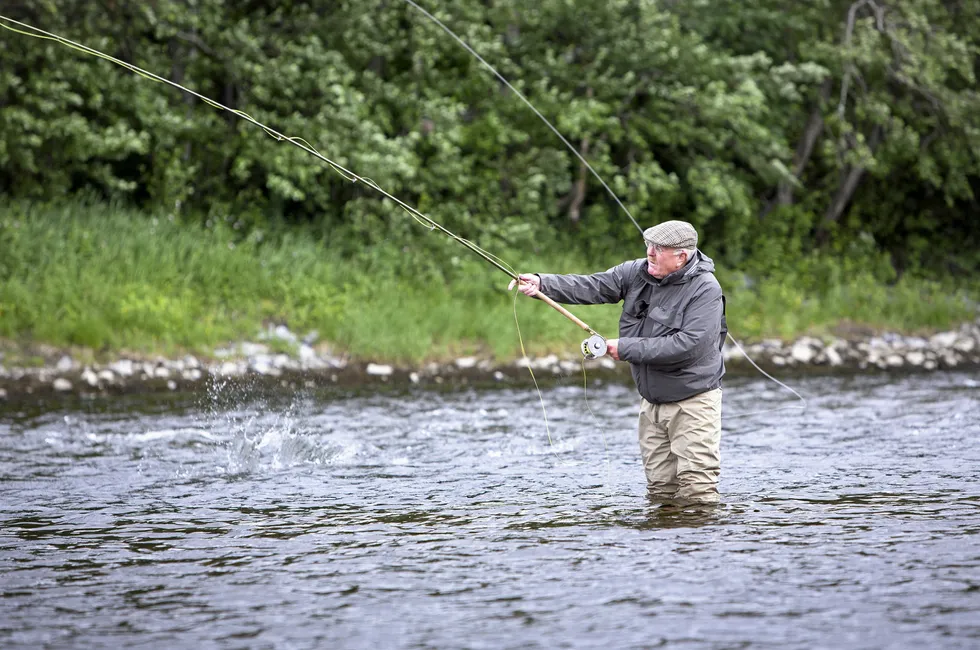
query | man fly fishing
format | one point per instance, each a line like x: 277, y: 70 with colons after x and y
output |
x: 671, y: 332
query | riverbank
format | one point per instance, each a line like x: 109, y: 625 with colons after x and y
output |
x: 101, y: 299
x: 280, y: 357
x: 111, y: 279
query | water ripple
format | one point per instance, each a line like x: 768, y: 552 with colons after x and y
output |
x: 449, y: 519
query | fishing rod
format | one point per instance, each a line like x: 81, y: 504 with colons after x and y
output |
x: 592, y: 347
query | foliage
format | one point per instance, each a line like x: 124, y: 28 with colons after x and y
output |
x: 697, y: 110
x: 819, y: 147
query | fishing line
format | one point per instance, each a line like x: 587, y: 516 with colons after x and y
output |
x: 527, y: 361
x: 602, y: 430
x: 544, y: 410
x: 778, y: 408
x: 524, y: 99
x: 582, y: 159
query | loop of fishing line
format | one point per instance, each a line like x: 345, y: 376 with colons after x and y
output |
x: 592, y: 347
x: 345, y: 173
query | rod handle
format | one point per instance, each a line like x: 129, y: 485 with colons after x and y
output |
x: 564, y: 312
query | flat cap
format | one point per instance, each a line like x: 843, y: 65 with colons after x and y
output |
x: 671, y: 234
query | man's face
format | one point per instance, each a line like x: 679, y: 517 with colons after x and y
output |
x: 661, y: 261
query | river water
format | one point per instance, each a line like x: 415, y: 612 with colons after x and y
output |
x: 401, y: 518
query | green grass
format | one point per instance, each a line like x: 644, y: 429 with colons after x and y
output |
x: 112, y: 279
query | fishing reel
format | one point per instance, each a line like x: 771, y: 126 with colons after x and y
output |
x: 594, y: 347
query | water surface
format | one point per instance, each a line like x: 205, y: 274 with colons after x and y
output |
x: 422, y: 519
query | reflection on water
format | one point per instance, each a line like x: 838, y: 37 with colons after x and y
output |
x: 418, y: 519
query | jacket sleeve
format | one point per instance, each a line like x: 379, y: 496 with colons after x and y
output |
x: 701, y: 327
x: 604, y: 287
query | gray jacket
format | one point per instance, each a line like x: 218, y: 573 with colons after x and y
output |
x: 671, y: 330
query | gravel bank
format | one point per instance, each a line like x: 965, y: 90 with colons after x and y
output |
x: 281, y: 356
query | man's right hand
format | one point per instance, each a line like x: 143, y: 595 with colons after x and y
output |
x: 530, y: 284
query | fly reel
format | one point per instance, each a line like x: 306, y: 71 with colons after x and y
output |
x: 594, y: 347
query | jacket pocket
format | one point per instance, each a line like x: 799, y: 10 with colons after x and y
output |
x: 663, y: 321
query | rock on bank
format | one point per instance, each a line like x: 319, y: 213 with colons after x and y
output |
x: 285, y: 359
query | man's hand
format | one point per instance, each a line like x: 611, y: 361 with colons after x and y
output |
x: 612, y: 348
x: 530, y: 284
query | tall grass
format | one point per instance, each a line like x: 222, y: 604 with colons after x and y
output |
x: 113, y: 279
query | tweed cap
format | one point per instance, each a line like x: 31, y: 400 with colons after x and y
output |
x: 671, y: 234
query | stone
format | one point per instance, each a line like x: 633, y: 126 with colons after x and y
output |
x: 379, y: 370
x: 123, y: 367
x: 191, y: 362
x: 283, y: 334
x: 894, y: 360
x: 262, y: 364
x: 161, y: 372
x: 499, y: 376
x: 915, y: 358
x: 549, y: 361
x: 816, y: 344
x: 943, y: 340
x: 192, y: 374
x: 64, y: 364
x: 61, y: 384
x: 107, y: 376
x: 229, y: 369
x: 172, y: 385
x: 778, y: 360
x: 254, y: 349
x: 802, y: 352
x: 880, y: 343
x: 308, y: 359
x: 3, y: 393
x: 414, y: 377
x: 90, y: 377
x: 833, y: 357
x: 466, y: 362
x: 965, y: 345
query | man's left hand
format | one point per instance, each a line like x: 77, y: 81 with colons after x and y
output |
x: 612, y: 348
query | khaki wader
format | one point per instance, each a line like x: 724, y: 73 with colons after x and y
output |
x: 680, y: 443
